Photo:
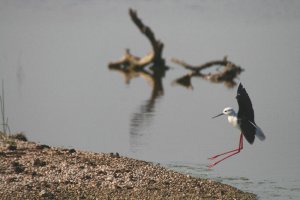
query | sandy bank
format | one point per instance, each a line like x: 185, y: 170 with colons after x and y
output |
x: 33, y: 171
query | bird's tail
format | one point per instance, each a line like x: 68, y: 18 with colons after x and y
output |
x: 259, y: 133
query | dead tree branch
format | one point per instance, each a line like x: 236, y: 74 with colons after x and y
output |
x: 155, y: 55
x: 157, y: 45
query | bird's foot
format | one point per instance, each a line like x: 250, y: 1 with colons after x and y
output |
x: 213, y: 157
x: 211, y: 165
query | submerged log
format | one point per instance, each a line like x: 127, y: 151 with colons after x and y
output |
x: 227, y: 75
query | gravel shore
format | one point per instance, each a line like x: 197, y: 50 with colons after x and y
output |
x: 33, y: 171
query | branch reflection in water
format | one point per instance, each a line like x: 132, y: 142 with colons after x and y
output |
x: 144, y: 116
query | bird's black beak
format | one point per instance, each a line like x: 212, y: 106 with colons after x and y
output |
x: 217, y: 115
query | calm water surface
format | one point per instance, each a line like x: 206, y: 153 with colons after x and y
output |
x: 59, y: 91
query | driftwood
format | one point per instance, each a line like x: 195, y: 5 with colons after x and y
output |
x: 132, y: 66
x: 151, y: 67
x: 227, y: 75
x: 155, y: 55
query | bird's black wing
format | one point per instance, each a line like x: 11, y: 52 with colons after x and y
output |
x: 248, y: 130
x: 245, y: 114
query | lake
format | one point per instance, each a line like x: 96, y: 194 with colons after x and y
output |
x: 59, y: 91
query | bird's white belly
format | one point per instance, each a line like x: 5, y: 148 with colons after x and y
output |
x: 233, y: 121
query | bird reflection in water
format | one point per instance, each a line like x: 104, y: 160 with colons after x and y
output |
x: 144, y: 116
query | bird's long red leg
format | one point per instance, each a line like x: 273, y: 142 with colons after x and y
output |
x: 236, y: 151
x: 216, y: 156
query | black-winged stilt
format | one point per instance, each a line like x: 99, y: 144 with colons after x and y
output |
x: 243, y: 120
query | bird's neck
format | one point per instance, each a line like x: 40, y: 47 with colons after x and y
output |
x: 233, y: 114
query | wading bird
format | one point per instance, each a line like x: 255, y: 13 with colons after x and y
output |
x: 243, y: 120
